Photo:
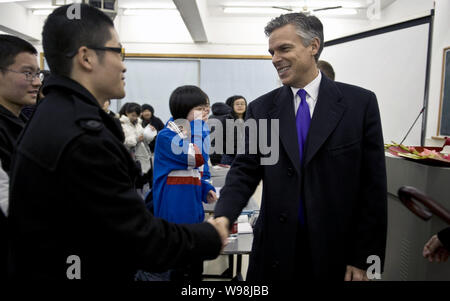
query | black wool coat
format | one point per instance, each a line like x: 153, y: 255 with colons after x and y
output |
x: 342, y: 183
x: 72, y: 194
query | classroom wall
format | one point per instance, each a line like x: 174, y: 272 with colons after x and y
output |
x: 16, y: 17
x: 441, y: 39
x: 243, y: 36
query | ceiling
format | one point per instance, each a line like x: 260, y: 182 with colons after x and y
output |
x: 215, y: 8
x: 199, y: 19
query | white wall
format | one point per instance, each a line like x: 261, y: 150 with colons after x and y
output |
x: 15, y: 17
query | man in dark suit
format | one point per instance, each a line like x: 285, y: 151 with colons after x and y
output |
x: 74, y: 212
x: 323, y: 209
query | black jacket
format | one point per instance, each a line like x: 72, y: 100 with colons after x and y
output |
x: 10, y: 128
x: 444, y: 237
x: 72, y: 194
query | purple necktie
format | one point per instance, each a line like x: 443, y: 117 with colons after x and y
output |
x: 302, y: 121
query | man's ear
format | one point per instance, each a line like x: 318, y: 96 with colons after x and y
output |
x: 315, y: 46
x: 85, y: 58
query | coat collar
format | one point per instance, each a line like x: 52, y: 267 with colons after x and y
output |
x: 7, y: 114
x: 68, y: 85
x: 85, y: 104
x: 283, y: 110
x: 327, y: 113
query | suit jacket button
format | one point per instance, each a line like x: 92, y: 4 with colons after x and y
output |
x: 290, y: 171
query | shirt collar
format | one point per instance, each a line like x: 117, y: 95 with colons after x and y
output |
x: 312, y: 88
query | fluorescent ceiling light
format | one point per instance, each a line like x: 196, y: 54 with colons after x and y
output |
x: 11, y: 1
x: 149, y: 5
x: 297, y: 4
x: 42, y: 12
x: 147, y: 12
x: 255, y: 4
x: 344, y: 4
x: 252, y: 10
x: 42, y: 6
x: 337, y: 12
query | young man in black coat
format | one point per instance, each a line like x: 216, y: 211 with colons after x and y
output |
x: 20, y: 79
x: 324, y: 203
x: 74, y: 212
x: 19, y: 85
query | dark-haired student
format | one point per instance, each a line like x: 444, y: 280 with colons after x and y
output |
x: 233, y: 135
x: 79, y: 216
x: 19, y: 85
x: 179, y: 187
x: 137, y: 139
x: 220, y: 112
x: 326, y: 69
x: 20, y: 80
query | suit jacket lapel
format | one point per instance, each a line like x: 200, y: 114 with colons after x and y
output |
x: 328, y: 111
x: 284, y: 112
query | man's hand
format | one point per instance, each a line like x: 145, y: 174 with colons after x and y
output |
x: 211, y: 197
x: 434, y: 250
x: 355, y: 274
x: 222, y: 225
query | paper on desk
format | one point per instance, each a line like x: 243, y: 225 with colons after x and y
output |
x: 244, y: 228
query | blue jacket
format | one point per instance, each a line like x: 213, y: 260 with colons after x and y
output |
x: 178, y: 185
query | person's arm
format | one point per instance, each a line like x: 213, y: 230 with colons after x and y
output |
x: 437, y: 248
x: 178, y: 153
x: 370, y: 222
x: 104, y: 197
x: 240, y: 183
x: 149, y: 133
x: 131, y: 139
x: 206, y: 195
x: 4, y: 190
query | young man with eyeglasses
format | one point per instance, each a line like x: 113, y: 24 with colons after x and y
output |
x: 19, y: 85
x: 74, y: 212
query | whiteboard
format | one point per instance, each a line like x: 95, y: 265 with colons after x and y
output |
x: 251, y: 78
x: 152, y: 81
x: 393, y: 65
x: 445, y: 102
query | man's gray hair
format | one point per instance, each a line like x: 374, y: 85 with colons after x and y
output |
x: 307, y: 27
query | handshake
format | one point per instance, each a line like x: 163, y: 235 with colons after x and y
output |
x: 222, y: 226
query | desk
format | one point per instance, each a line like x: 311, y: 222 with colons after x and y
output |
x: 241, y: 245
x: 407, y: 234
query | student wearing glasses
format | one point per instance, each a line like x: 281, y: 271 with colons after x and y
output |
x: 19, y: 85
x: 181, y: 155
x: 20, y: 80
x: 74, y: 211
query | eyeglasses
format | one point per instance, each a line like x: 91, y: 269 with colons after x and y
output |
x: 29, y: 76
x: 118, y: 50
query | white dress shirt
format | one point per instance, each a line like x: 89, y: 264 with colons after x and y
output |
x: 312, y: 92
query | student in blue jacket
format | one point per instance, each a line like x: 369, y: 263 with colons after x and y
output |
x: 181, y: 153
